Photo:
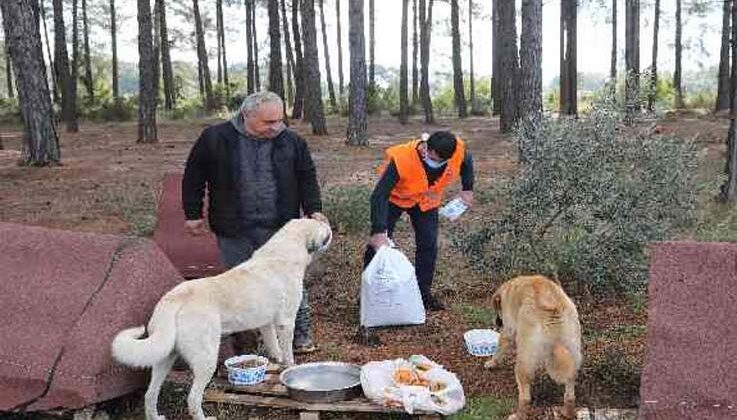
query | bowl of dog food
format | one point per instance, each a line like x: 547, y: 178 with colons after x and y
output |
x: 481, y: 342
x: 246, y: 369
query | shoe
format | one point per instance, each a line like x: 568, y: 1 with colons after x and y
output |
x: 304, y: 348
x: 433, y: 305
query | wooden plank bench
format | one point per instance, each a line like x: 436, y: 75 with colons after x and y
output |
x: 271, y: 393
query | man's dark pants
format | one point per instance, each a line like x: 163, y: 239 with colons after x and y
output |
x: 425, y: 225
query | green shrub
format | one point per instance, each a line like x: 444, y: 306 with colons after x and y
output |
x: 9, y: 109
x: 125, y: 109
x: 588, y: 199
x: 348, y: 208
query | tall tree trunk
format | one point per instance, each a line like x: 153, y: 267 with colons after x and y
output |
x: 496, y: 65
x: 331, y: 89
x: 200, y: 80
x: 568, y: 57
x: 40, y: 141
x: 509, y: 64
x: 403, y: 97
x: 632, y: 58
x: 531, y: 50
x: 219, y: 30
x: 226, y: 80
x: 313, y: 91
x: 289, y: 53
x: 89, y: 82
x: 68, y: 97
x: 146, y: 80
x: 729, y: 188
x: 340, y: 48
x: 474, y: 104
x: 276, y: 78
x: 357, y: 133
x: 75, y: 48
x: 723, y: 88
x: 202, y: 56
x: 425, y: 34
x: 679, y: 48
x: 251, y: 77
x: 114, y: 36
x: 613, y: 64
x: 166, y: 68
x: 256, y: 69
x: 372, y: 45
x: 8, y: 73
x: 459, y: 96
x: 156, y: 34
x: 652, y: 94
x: 299, y: 72
x: 415, y: 76
x: 54, y: 89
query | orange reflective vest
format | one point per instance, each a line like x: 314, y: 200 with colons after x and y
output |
x: 413, y: 188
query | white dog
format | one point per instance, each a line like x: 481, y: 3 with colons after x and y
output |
x: 263, y: 293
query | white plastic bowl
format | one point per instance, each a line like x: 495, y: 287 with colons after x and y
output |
x: 246, y: 376
x: 481, y: 342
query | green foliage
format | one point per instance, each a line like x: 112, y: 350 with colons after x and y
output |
x: 126, y: 109
x: 9, y: 110
x: 347, y: 207
x: 186, y: 109
x: 383, y: 99
x: 486, y: 408
x: 444, y: 101
x: 588, y: 199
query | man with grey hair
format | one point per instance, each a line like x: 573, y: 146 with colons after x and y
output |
x: 258, y: 176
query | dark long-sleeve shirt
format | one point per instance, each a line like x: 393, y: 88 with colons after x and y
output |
x: 389, y: 179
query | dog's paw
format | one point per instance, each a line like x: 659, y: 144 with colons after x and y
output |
x: 211, y: 418
x: 567, y: 412
x: 491, y: 364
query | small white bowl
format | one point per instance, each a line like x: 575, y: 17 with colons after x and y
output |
x: 249, y: 375
x: 481, y: 342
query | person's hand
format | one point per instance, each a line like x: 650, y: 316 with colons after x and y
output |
x: 319, y: 217
x: 378, y: 240
x: 466, y: 197
x: 195, y: 227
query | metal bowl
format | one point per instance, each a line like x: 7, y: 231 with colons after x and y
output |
x: 322, y: 381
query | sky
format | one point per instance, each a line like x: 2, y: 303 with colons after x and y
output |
x: 701, y: 36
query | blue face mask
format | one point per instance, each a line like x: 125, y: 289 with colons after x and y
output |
x: 432, y: 163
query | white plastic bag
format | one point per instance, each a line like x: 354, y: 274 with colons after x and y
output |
x: 378, y: 385
x: 389, y: 291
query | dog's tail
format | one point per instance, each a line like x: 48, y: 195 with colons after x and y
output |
x: 130, y: 349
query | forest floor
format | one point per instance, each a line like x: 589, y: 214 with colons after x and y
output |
x: 108, y: 184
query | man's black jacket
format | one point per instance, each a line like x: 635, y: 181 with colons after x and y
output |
x: 214, y: 162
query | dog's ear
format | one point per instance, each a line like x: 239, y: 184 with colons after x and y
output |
x: 496, y: 303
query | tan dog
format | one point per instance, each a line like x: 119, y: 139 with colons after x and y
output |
x: 263, y: 293
x: 541, y: 321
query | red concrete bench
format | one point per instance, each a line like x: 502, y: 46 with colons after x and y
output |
x: 193, y: 256
x: 63, y: 297
x: 691, y: 355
